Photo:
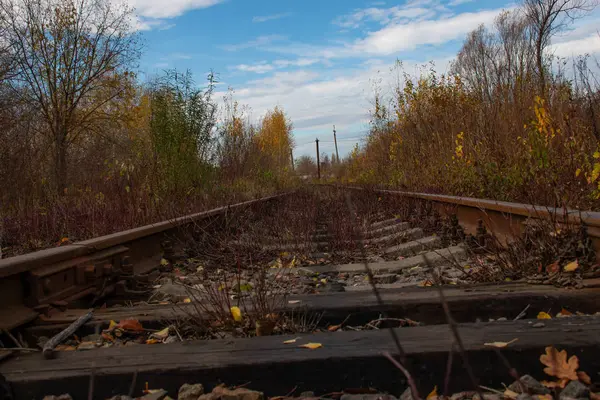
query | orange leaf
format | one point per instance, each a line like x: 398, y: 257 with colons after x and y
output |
x: 583, y: 377
x: 152, y: 341
x: 433, y: 394
x: 553, y: 268
x: 130, y: 325
x: 557, y: 364
x: 560, y: 384
x: 565, y: 313
x: 572, y: 266
x: 334, y: 328
x: 543, y: 397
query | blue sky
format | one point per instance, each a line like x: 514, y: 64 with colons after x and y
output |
x: 318, y: 59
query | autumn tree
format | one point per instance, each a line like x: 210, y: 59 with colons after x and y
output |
x: 275, y: 140
x: 547, y: 17
x: 65, y: 58
x: 306, y: 165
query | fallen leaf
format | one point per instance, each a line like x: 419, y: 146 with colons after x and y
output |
x: 160, y: 335
x: 426, y: 283
x: 112, y: 325
x: 293, y: 301
x: 187, y: 300
x: 559, y: 384
x: 510, y: 394
x: 107, y: 337
x: 200, y: 268
x: 311, y: 346
x: 64, y: 347
x: 152, y: 341
x: 557, y: 364
x: 572, y: 266
x: 433, y: 394
x: 583, y: 377
x: 334, y: 328
x: 236, y: 313
x: 164, y: 262
x: 500, y: 345
x: 291, y: 341
x: 132, y: 325
x: 564, y: 313
x: 543, y: 315
x: 553, y: 268
x: 543, y: 397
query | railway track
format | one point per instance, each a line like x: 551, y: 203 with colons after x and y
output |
x: 340, y: 267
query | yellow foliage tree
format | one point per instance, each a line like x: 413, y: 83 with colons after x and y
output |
x: 275, y: 140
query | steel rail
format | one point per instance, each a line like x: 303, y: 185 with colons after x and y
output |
x: 25, y: 262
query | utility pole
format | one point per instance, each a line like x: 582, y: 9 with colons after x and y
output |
x: 292, y: 159
x: 337, y: 155
x: 318, y: 161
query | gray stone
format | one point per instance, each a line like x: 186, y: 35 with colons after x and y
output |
x: 574, y: 390
x: 385, y: 278
x: 367, y: 397
x: 331, y: 287
x: 61, y: 397
x: 190, y: 392
x: 524, y: 396
x: 157, y: 395
x: 530, y: 385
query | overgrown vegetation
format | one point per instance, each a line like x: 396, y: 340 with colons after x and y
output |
x: 509, y: 122
x: 89, y: 149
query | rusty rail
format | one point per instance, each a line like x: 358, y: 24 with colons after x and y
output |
x: 504, y: 219
x: 30, y: 282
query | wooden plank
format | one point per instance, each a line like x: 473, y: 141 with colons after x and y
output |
x: 420, y: 304
x: 347, y: 359
x: 435, y: 258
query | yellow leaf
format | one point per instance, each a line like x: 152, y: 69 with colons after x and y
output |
x: 152, y: 341
x: 311, y: 346
x: 557, y: 364
x: 112, y: 325
x: 572, y: 266
x: 543, y: 315
x: 160, y: 335
x: 433, y: 394
x: 578, y: 172
x: 187, y: 300
x: 291, y: 341
x: 164, y: 262
x: 510, y: 394
x: 236, y: 313
x: 324, y: 280
x: 543, y: 397
x: 500, y: 345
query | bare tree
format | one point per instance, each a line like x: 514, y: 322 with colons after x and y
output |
x: 67, y: 57
x: 547, y: 17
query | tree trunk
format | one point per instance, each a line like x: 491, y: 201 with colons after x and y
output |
x: 60, y: 160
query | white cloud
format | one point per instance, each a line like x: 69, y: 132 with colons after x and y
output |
x: 256, y: 68
x: 258, y: 42
x: 266, y: 18
x: 155, y: 14
x: 170, y: 8
x: 455, y: 3
x: 400, y: 37
x: 576, y: 47
x: 411, y: 11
